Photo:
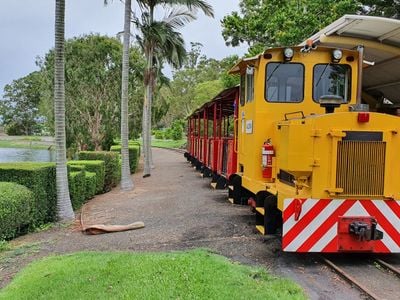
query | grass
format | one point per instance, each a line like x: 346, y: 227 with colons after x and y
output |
x: 168, y: 143
x: 195, y: 274
x: 30, y: 142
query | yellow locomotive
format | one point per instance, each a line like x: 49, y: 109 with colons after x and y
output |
x: 313, y: 161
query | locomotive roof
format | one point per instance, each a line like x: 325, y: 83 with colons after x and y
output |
x: 381, y: 40
x: 226, y: 98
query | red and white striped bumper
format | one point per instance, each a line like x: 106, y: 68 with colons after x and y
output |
x: 311, y: 225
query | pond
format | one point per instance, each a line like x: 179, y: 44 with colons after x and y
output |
x: 21, y: 154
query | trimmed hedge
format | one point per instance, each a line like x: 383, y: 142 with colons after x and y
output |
x: 40, y: 178
x: 95, y: 166
x: 16, y: 208
x: 110, y: 164
x: 134, y: 153
x: 90, y: 184
x: 77, y: 188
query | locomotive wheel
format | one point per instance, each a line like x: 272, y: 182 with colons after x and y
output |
x: 272, y: 216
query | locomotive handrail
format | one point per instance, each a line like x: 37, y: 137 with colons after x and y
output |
x: 235, y: 129
x: 295, y: 112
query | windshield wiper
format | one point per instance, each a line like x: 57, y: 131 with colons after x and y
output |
x: 273, y: 71
x: 322, y: 74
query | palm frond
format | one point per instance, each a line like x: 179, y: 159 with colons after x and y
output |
x: 192, y: 5
x: 178, y: 17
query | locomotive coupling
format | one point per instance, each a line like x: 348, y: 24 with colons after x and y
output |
x: 365, y: 231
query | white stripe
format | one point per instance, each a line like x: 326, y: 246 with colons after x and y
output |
x: 388, y: 213
x: 326, y: 239
x: 286, y: 203
x: 314, y: 225
x: 359, y: 210
x: 307, y: 205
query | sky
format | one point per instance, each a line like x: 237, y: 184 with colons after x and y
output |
x: 27, y: 30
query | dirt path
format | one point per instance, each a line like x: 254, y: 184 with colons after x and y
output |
x: 180, y: 212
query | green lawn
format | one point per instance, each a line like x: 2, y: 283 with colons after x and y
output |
x: 31, y: 142
x: 168, y: 143
x: 195, y: 274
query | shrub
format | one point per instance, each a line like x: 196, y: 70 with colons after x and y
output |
x: 77, y: 188
x: 159, y: 134
x: 16, y: 207
x: 177, y: 130
x: 133, y: 155
x: 168, y: 134
x: 90, y: 184
x: 110, y: 164
x: 40, y: 178
x: 95, y: 166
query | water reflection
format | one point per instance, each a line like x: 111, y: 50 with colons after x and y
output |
x: 18, y: 154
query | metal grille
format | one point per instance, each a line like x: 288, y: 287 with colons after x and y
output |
x: 361, y: 168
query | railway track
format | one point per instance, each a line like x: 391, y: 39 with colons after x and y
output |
x: 376, y: 278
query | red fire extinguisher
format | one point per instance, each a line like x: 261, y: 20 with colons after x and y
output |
x: 267, y: 154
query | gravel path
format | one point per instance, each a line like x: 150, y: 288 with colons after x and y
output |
x: 180, y: 211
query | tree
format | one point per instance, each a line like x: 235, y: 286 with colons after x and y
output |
x: 126, y: 180
x: 93, y: 89
x: 382, y: 8
x: 64, y: 206
x: 19, y: 109
x: 161, y: 42
x: 263, y: 24
x: 198, y: 81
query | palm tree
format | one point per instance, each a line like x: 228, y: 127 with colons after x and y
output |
x: 161, y: 42
x: 126, y: 180
x: 65, y: 212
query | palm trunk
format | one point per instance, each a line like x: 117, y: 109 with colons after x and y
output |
x: 146, y: 128
x: 65, y: 212
x: 126, y: 180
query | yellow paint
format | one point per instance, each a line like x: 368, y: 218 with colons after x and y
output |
x: 260, y: 210
x: 230, y: 200
x: 307, y: 148
x: 260, y: 229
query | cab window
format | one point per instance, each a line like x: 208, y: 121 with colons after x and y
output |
x: 284, y: 82
x: 250, y: 84
x: 332, y: 79
x: 242, y: 89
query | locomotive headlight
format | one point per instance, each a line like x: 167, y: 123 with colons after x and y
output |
x: 337, y: 55
x: 288, y: 54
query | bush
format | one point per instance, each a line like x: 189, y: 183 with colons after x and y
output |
x: 159, y: 134
x: 95, y: 166
x: 168, y: 134
x: 177, y: 130
x: 90, y: 184
x: 110, y: 164
x: 40, y: 178
x: 16, y: 207
x: 77, y: 188
x: 133, y: 155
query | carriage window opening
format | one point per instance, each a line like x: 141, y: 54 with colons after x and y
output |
x: 332, y: 79
x: 249, y: 84
x: 284, y: 82
x: 242, y: 89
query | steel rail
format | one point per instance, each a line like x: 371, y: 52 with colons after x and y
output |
x: 351, y: 279
x: 389, y: 267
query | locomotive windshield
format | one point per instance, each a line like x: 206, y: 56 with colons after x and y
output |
x: 284, y: 82
x: 332, y: 79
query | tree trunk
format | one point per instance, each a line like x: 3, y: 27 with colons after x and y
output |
x: 64, y: 207
x: 126, y: 180
x: 145, y: 123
